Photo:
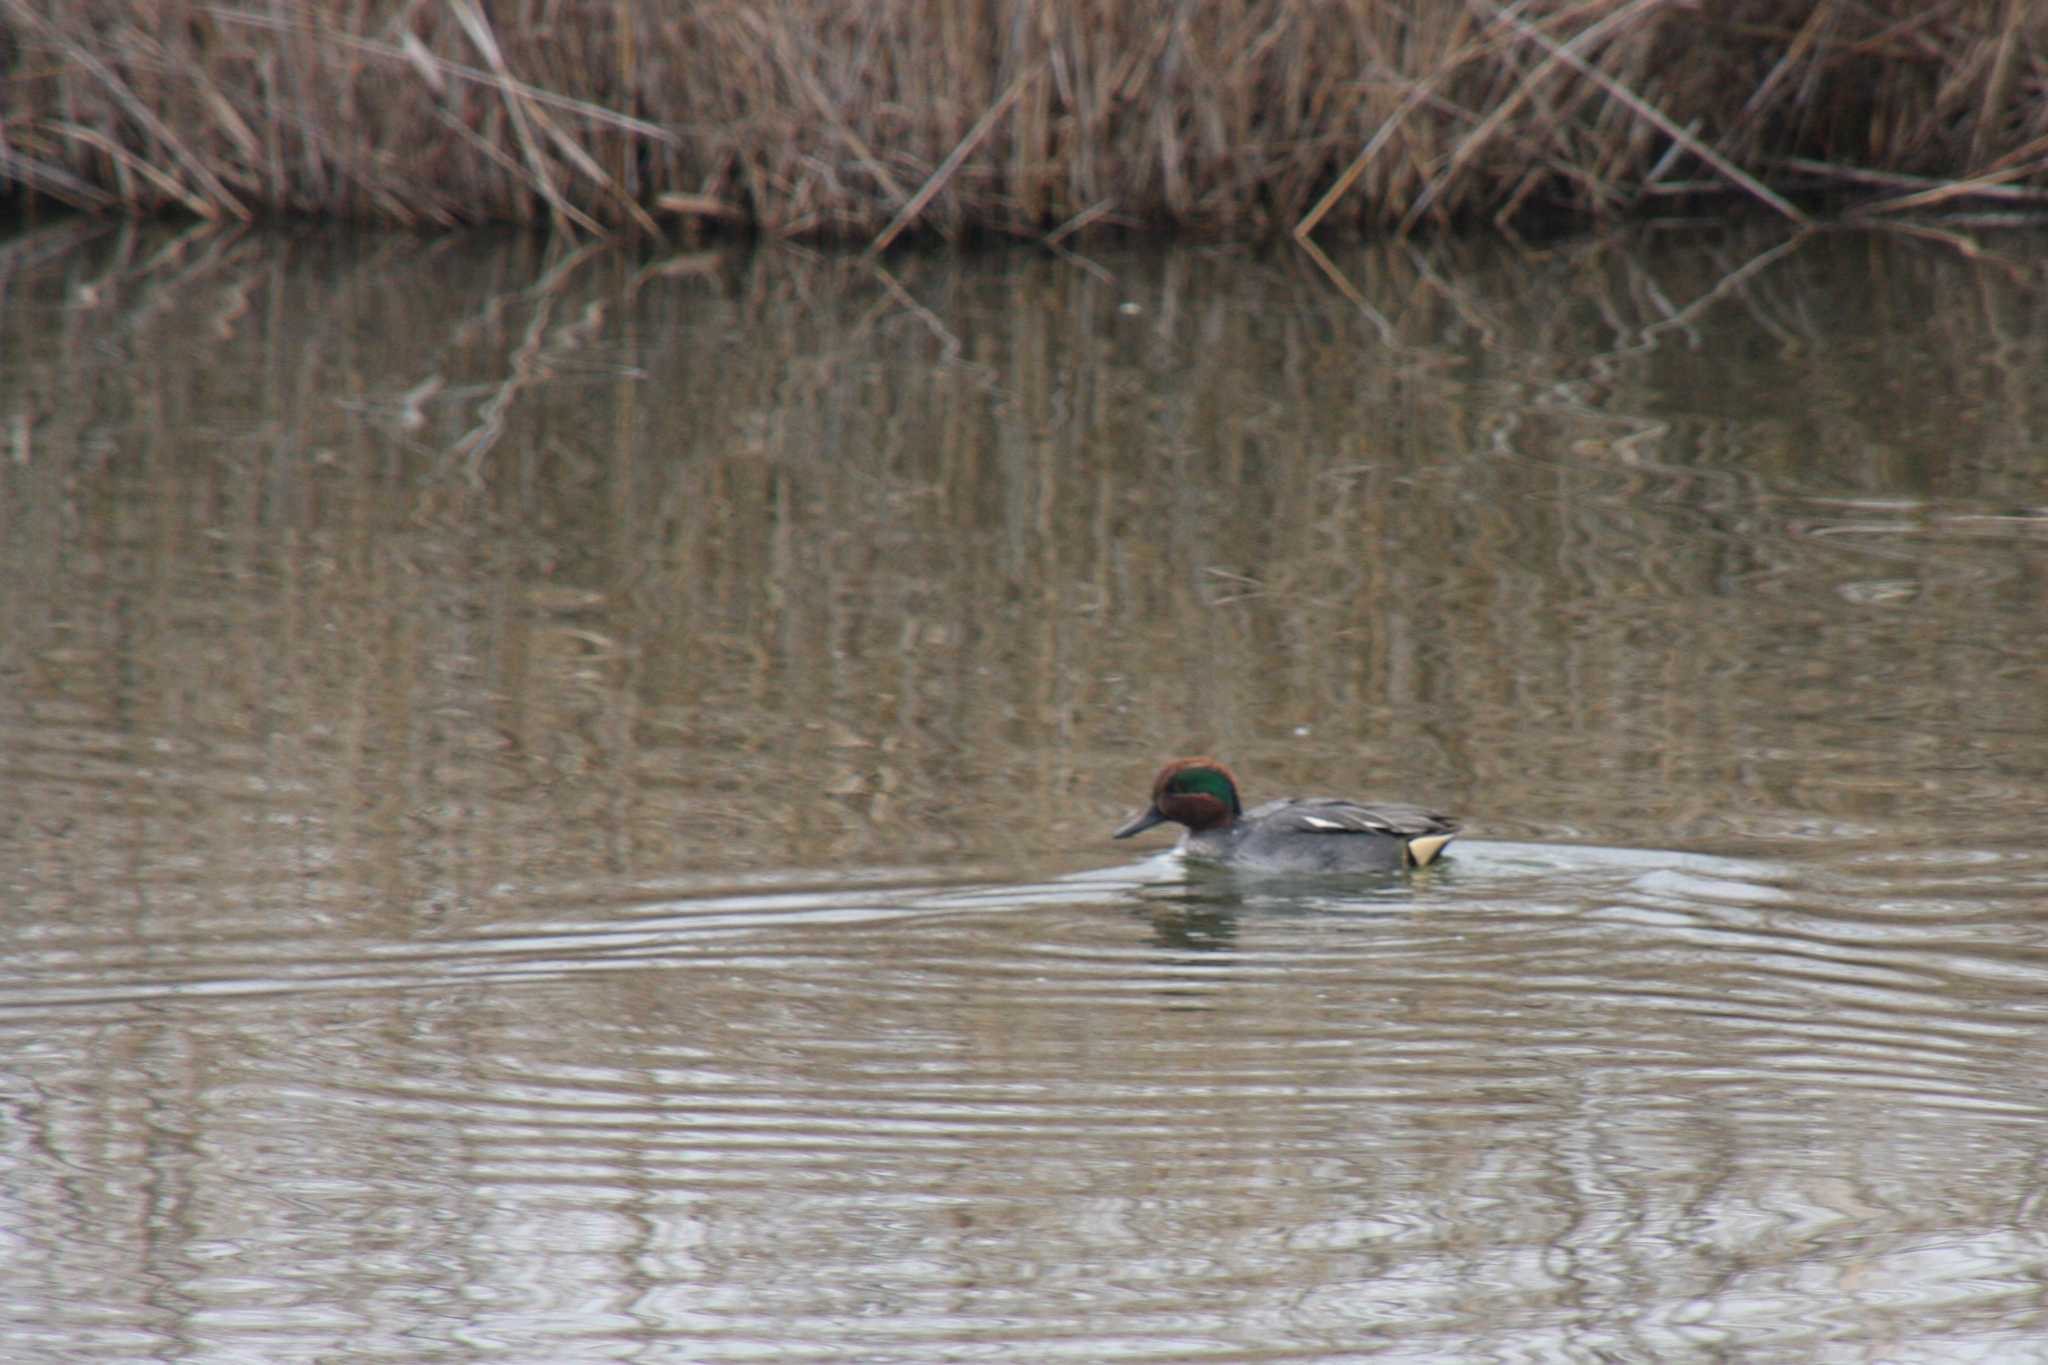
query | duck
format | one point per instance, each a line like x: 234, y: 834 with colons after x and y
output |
x: 1292, y: 834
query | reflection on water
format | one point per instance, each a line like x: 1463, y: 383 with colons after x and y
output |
x: 558, y: 809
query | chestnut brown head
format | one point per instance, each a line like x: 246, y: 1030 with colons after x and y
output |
x: 1197, y: 792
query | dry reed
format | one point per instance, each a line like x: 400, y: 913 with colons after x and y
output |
x: 821, y: 119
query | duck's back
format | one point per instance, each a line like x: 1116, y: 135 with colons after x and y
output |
x: 1328, y: 834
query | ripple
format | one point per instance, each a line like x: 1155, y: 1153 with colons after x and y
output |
x: 900, y: 1111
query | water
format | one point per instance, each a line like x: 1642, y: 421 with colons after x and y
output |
x: 557, y: 809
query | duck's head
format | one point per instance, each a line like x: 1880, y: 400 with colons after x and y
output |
x: 1197, y: 792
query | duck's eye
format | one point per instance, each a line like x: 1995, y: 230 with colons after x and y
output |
x: 1198, y: 782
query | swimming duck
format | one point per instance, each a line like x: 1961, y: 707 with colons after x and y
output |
x: 1293, y: 834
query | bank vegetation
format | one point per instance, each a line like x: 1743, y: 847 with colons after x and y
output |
x: 868, y: 121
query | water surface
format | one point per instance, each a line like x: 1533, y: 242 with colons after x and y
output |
x: 556, y: 807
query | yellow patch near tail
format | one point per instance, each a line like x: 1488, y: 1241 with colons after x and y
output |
x: 1422, y: 850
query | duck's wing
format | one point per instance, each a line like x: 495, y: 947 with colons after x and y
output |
x: 1425, y: 831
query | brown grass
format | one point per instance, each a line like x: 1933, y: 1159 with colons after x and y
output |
x: 817, y: 118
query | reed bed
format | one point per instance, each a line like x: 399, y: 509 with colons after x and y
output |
x: 822, y: 119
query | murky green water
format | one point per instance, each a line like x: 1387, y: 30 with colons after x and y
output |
x: 557, y: 808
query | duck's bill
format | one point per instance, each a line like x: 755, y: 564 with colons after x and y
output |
x: 1139, y: 823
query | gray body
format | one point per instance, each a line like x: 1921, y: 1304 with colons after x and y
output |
x: 1324, y: 834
